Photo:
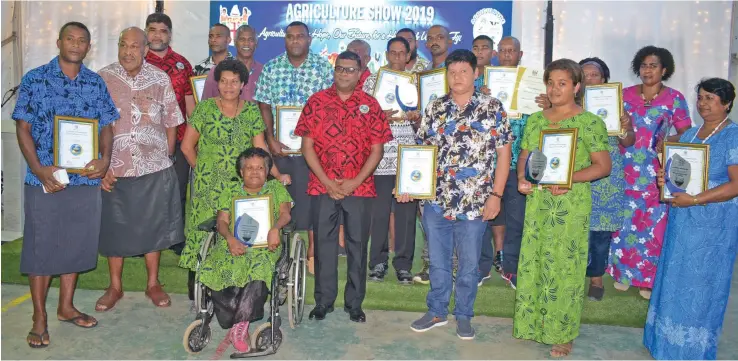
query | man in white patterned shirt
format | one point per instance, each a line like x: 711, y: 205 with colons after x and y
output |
x: 219, y: 38
x: 141, y: 210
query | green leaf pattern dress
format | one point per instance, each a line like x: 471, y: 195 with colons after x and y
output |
x: 553, y: 252
x: 222, y: 139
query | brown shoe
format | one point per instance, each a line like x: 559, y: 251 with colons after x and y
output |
x: 108, y: 300
x: 158, y: 296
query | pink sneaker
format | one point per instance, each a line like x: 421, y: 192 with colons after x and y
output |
x: 240, y: 336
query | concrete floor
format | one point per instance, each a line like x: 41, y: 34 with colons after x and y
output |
x: 135, y: 329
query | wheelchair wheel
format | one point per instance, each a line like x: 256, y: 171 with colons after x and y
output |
x: 261, y: 339
x: 195, y: 338
x: 296, y: 292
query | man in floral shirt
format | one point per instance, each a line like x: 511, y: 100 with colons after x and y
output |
x: 471, y: 132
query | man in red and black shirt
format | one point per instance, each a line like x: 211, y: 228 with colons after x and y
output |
x: 343, y: 130
x: 161, y: 55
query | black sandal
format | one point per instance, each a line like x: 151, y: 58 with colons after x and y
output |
x: 81, y: 317
x: 40, y: 337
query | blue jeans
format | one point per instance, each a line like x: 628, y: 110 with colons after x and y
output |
x: 443, y: 236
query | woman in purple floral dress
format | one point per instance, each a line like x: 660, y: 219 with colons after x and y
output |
x: 655, y: 109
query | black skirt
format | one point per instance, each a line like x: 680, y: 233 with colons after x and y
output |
x: 61, y: 230
x: 141, y: 215
x: 239, y: 304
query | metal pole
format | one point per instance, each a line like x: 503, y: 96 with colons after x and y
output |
x: 548, y: 53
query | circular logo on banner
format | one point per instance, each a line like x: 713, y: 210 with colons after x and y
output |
x: 502, y: 96
x: 602, y: 113
x: 488, y: 21
x: 389, y: 98
x: 555, y: 162
x: 75, y: 149
x: 364, y: 109
x: 416, y: 175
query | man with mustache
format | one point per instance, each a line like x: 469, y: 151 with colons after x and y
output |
x: 416, y: 63
x: 160, y: 54
x: 219, y: 38
x: 140, y: 206
x: 438, y: 44
x: 246, y: 42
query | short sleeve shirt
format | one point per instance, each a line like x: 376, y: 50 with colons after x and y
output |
x: 282, y: 84
x: 204, y: 66
x: 179, y: 71
x: 46, y: 92
x: 148, y: 107
x: 344, y: 133
x: 467, y: 138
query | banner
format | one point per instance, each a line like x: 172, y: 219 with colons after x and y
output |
x: 335, y: 24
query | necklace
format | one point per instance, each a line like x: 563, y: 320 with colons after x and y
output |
x: 647, y: 103
x: 711, y: 134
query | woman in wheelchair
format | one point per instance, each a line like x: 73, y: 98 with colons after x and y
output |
x: 237, y: 275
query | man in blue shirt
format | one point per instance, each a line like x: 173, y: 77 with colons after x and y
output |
x: 62, y: 222
x: 483, y: 48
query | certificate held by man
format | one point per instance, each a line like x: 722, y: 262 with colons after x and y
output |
x: 530, y: 86
x: 75, y: 142
x: 606, y: 101
x: 386, y: 90
x: 501, y: 82
x: 286, y: 121
x: 252, y: 219
x: 432, y: 85
x: 559, y: 147
x: 416, y: 171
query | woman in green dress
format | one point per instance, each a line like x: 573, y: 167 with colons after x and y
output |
x: 218, y: 130
x: 236, y: 275
x: 553, y: 253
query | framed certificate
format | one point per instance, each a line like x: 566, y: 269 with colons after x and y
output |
x: 501, y: 82
x: 385, y: 90
x: 416, y: 171
x: 606, y: 100
x: 75, y: 142
x: 559, y: 146
x: 692, y: 175
x: 198, y: 85
x: 530, y: 85
x: 286, y: 122
x: 432, y: 84
x: 251, y: 219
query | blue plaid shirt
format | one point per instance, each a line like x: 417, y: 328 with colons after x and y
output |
x: 46, y: 92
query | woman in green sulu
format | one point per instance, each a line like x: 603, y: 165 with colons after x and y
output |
x: 237, y: 275
x: 553, y: 253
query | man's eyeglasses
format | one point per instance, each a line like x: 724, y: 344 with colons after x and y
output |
x: 350, y: 70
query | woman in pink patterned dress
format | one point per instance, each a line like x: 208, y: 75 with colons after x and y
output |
x: 655, y: 109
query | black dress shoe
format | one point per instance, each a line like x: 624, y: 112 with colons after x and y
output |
x: 357, y: 315
x: 320, y: 311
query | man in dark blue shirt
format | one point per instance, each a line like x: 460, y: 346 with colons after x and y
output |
x: 62, y: 222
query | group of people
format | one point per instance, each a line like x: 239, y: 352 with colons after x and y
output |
x: 341, y: 186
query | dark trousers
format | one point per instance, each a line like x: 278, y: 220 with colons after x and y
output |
x: 233, y: 305
x: 405, y: 215
x: 513, y: 205
x: 182, y: 168
x: 599, y: 251
x: 298, y: 170
x: 356, y: 220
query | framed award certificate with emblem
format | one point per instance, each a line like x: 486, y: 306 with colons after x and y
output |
x: 75, y: 142
x: 251, y: 220
x: 606, y: 101
x: 198, y: 85
x: 559, y: 147
x: 432, y: 84
x: 416, y: 171
x: 501, y: 82
x: 686, y: 168
x: 285, y: 123
x: 529, y: 86
x: 390, y: 90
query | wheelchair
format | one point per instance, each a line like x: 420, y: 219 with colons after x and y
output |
x: 288, y: 285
